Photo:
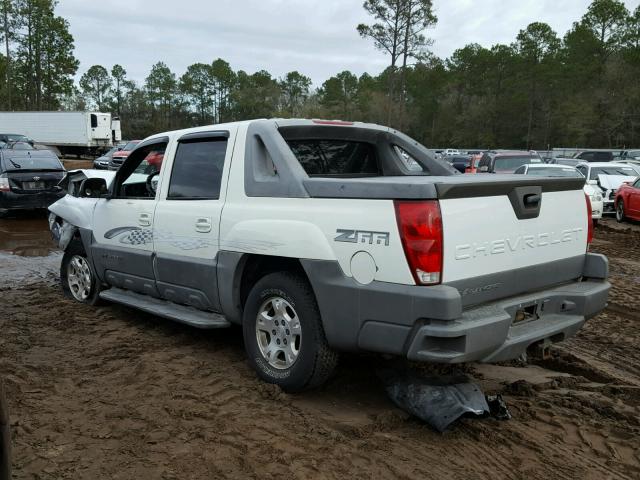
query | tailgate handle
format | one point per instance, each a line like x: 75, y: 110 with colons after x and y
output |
x: 532, y: 200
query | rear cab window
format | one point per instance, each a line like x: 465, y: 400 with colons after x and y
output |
x: 331, y: 158
x: 359, y: 152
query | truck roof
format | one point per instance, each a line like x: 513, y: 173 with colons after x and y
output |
x: 279, y: 122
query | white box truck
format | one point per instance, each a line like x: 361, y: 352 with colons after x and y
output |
x: 71, y: 133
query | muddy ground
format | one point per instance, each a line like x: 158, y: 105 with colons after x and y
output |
x: 110, y: 392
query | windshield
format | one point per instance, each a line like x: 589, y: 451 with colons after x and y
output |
x: 19, y: 146
x: 554, y: 172
x: 626, y: 171
x: 17, y: 138
x: 29, y: 162
x: 130, y: 146
x: 510, y: 163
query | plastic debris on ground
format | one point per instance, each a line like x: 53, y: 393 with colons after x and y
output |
x: 441, y: 400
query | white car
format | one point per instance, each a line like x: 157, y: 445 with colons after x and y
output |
x: 320, y: 236
x: 554, y: 170
x: 451, y: 151
x: 607, y: 176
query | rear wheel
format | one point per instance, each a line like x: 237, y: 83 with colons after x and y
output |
x: 79, y: 281
x: 620, y: 217
x: 283, y: 333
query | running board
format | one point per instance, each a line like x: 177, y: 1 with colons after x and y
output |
x: 162, y: 308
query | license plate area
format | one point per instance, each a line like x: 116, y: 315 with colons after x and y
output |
x: 527, y: 312
x: 33, y: 185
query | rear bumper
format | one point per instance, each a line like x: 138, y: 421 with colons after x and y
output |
x: 490, y: 334
x: 28, y: 201
x: 430, y: 323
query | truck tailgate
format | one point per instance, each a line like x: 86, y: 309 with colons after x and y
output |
x: 490, y: 253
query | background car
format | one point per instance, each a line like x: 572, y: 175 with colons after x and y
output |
x: 28, y: 178
x: 14, y: 137
x: 565, y: 161
x: 608, y: 176
x: 118, y: 157
x: 459, y: 162
x: 506, y: 161
x: 102, y: 162
x: 630, y: 155
x: 635, y: 164
x: 546, y: 170
x: 594, y: 156
x: 627, y: 201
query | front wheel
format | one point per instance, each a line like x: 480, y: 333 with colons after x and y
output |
x: 79, y: 281
x: 620, y: 212
x: 283, y: 333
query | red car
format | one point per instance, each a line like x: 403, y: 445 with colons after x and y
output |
x: 627, y: 201
x: 118, y: 157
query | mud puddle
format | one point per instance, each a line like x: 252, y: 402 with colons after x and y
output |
x: 27, y: 252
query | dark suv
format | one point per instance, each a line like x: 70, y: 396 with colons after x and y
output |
x: 594, y: 156
x: 506, y: 161
x: 28, y: 177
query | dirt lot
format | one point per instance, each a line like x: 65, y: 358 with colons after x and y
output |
x: 114, y: 393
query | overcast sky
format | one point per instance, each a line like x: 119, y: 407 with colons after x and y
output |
x: 315, y: 37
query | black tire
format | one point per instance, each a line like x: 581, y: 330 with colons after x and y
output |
x: 620, y: 216
x: 315, y: 360
x: 595, y: 222
x: 75, y: 248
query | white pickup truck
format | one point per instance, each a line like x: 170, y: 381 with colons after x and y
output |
x: 327, y: 236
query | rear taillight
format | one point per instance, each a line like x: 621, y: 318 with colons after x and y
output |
x: 4, y: 184
x: 420, y: 226
x: 589, y: 221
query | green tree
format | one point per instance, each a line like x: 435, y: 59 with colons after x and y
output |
x: 387, y: 33
x: 339, y: 94
x: 198, y: 86
x: 607, y: 20
x: 96, y: 85
x: 9, y: 22
x: 538, y: 46
x: 44, y: 62
x: 160, y: 86
x: 223, y: 81
x: 255, y: 96
x: 295, y: 90
x: 119, y: 75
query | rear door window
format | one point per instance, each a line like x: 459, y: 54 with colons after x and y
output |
x: 327, y: 158
x: 197, y: 169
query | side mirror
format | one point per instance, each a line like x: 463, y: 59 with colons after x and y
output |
x: 94, y: 188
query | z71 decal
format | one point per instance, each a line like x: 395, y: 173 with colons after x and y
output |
x: 362, y: 236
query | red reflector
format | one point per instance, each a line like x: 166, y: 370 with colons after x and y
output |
x: 589, y: 221
x: 332, y: 122
x: 420, y: 227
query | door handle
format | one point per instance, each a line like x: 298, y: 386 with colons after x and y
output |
x: 203, y: 224
x: 144, y: 219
